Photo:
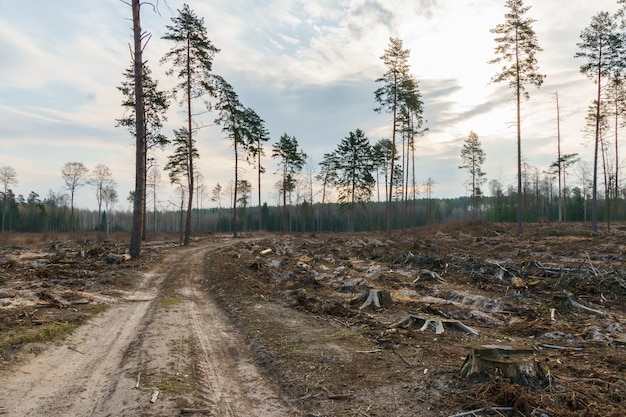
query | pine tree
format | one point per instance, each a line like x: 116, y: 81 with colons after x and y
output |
x: 399, y: 92
x: 517, y: 48
x: 243, y: 127
x: 192, y: 61
x: 178, y: 163
x: 599, y: 46
x: 473, y: 158
x: 353, y: 168
x: 140, y: 134
x: 156, y: 104
x: 291, y: 161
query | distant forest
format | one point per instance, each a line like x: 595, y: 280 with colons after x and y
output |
x: 34, y: 215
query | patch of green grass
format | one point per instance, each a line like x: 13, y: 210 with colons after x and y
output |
x: 173, y: 387
x: 47, y: 332
x: 168, y: 302
x: 295, y: 347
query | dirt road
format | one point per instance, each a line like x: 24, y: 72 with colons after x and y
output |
x: 165, y: 341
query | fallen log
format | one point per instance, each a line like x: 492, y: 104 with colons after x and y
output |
x: 114, y: 258
x: 514, y: 362
x: 435, y: 322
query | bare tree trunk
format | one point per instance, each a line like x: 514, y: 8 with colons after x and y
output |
x: 562, y: 206
x: 190, y: 173
x: 236, y: 186
x: 393, y: 157
x: 259, y: 169
x: 594, y: 197
x: 140, y: 137
x: 520, y: 200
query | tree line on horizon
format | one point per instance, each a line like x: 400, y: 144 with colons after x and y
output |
x: 357, y: 169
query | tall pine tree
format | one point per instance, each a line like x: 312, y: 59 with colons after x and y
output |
x: 516, y: 50
x: 192, y: 62
x: 599, y: 47
x: 399, y: 91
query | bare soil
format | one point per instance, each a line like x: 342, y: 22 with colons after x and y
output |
x: 275, y: 325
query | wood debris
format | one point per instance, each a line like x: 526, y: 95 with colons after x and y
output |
x: 433, y: 321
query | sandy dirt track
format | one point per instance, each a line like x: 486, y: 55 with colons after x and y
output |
x: 166, y: 336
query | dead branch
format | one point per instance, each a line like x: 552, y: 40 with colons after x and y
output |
x: 545, y: 346
x: 480, y: 410
x: 345, y: 396
x: 75, y: 350
x: 593, y: 269
x: 195, y: 411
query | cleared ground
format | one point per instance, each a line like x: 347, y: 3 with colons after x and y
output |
x: 228, y: 328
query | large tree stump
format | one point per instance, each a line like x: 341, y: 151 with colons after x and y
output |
x: 514, y: 362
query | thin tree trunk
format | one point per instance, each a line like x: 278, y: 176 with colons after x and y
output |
x: 259, y: 182
x: 518, y: 86
x: 140, y: 137
x: 594, y: 198
x: 562, y: 216
x: 393, y: 157
x: 190, y: 173
x: 236, y: 186
x: 616, y: 190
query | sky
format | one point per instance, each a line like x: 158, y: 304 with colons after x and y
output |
x: 307, y: 67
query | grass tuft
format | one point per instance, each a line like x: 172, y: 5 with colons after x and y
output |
x: 48, y: 332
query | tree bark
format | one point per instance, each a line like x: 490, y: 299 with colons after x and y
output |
x: 514, y: 362
x: 140, y: 169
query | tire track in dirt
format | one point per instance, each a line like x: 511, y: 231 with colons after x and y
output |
x: 79, y: 376
x: 94, y: 372
x: 233, y: 385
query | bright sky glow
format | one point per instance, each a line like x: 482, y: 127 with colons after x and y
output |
x: 307, y: 67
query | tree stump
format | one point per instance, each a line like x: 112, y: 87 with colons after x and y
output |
x: 436, y: 322
x: 516, y: 363
x: 376, y: 298
x: 566, y: 301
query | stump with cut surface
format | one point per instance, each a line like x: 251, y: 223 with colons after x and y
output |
x: 514, y: 362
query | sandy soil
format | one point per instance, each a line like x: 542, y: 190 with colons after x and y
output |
x: 275, y: 325
x: 164, y: 336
